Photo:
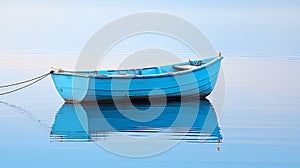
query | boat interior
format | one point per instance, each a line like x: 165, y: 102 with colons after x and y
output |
x: 157, y: 70
x: 165, y: 69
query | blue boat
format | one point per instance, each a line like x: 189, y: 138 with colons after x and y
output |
x: 91, y: 126
x: 191, y: 78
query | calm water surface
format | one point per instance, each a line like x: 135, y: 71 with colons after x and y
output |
x: 259, y: 126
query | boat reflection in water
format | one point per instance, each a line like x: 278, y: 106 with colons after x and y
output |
x: 96, y: 122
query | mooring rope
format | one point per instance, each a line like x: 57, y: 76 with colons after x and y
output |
x: 35, y: 80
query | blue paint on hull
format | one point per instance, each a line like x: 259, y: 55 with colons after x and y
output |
x: 166, y: 81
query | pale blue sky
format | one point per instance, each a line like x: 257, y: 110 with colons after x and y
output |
x: 234, y: 27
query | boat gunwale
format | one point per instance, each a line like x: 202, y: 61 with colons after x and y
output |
x: 133, y: 90
x: 133, y: 76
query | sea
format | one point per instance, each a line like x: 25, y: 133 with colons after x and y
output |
x: 256, y: 125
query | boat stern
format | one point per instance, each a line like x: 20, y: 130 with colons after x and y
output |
x: 71, y: 88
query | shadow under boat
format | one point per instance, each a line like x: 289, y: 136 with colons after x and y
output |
x: 189, y: 121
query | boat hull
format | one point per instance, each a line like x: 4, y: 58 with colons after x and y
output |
x: 75, y: 88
